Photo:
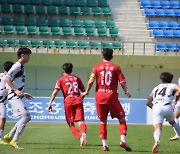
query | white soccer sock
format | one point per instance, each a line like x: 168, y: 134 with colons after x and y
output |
x: 177, y: 121
x: 123, y: 138
x: 1, y: 134
x: 20, y: 126
x: 13, y: 130
x: 104, y: 142
x: 176, y: 128
x: 157, y: 135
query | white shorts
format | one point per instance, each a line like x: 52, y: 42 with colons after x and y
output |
x: 177, y: 106
x: 161, y: 112
x: 18, y: 107
x: 2, y: 111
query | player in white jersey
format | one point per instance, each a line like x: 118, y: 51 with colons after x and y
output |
x: 176, y: 103
x: 3, y: 96
x: 160, y: 102
x: 15, y: 79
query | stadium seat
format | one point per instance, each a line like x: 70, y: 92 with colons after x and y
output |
x: 69, y: 2
x: 153, y: 24
x: 149, y: 12
x: 6, y: 21
x: 177, y: 12
x: 40, y: 9
x: 163, y: 25
x: 88, y: 23
x: 64, y: 22
x: 34, y: 2
x: 157, y: 33
x: 1, y: 42
x: 17, y: 8
x: 47, y: 43
x: 76, y: 23
x: 41, y: 22
x: 99, y: 23
x: 102, y: 3
x: 18, y: 21
x: 8, y: 29
x: 23, y: 43
x: 174, y: 4
x: 94, y: 45
x: 56, y: 2
x: 106, y: 11
x: 55, y: 30
x: 11, y: 43
x: 29, y: 9
x: 145, y: 4
x: 160, y: 46
x: 105, y: 45
x: 96, y: 11
x: 59, y: 44
x: 35, y: 43
x: 155, y: 4
x: 91, y: 3
x: 165, y: 4
x: 43, y: 30
x: 173, y: 25
x: 74, y: 10
x: 24, y: 2
x: 168, y: 33
x: 67, y: 30
x: 171, y: 46
x: 51, y: 10
x: 113, y: 32
x: 62, y: 10
x: 80, y: 3
x: 117, y: 45
x: 5, y: 8
x: 85, y: 10
x: 176, y: 33
x: 11, y: 1
x: 169, y: 12
x: 52, y: 22
x: 102, y: 31
x: 159, y: 12
x: 45, y: 2
x: 30, y: 21
x: 90, y: 31
x: 110, y: 23
x: 2, y: 1
x: 71, y: 44
x: 32, y: 30
x: 178, y: 47
x: 82, y: 44
x: 78, y: 31
x: 20, y: 29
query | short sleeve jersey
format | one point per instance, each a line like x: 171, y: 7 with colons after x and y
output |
x: 163, y: 93
x: 70, y: 86
x: 107, y: 77
x: 17, y: 76
x: 3, y: 91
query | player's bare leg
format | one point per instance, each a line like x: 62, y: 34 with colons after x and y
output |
x: 83, y: 129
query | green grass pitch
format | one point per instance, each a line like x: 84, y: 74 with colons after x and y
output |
x: 56, y: 138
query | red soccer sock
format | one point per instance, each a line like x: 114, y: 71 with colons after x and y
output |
x: 75, y: 132
x: 103, y: 131
x: 83, y: 128
x: 123, y: 128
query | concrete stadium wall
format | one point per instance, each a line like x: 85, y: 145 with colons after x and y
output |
x: 141, y: 72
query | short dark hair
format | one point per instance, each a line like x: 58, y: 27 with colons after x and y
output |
x: 107, y: 53
x: 7, y: 65
x: 166, y: 77
x: 24, y: 51
x: 67, y: 67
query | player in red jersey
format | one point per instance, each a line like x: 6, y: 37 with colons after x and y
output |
x: 107, y: 76
x: 71, y: 86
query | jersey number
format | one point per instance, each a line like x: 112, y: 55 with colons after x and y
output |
x: 162, y: 92
x: 73, y: 87
x: 106, y: 78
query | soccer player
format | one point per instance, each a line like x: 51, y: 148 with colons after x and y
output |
x: 3, y: 97
x: 107, y: 76
x: 176, y: 104
x: 71, y: 85
x: 15, y: 79
x: 160, y: 102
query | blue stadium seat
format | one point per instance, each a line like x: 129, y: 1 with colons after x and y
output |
x: 177, y: 12
x: 155, y: 4
x: 178, y: 47
x: 160, y: 46
x: 175, y: 4
x: 159, y: 12
x: 173, y: 25
x: 149, y: 12
x: 171, y: 46
x: 163, y: 24
x: 165, y: 4
x: 153, y: 24
x: 145, y: 4
x: 168, y: 33
x: 169, y: 13
x: 157, y: 33
x: 176, y: 33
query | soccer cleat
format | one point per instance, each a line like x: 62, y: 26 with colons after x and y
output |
x: 3, y: 143
x: 125, y: 146
x: 7, y: 138
x: 105, y: 148
x: 15, y: 145
x: 156, y: 147
x: 83, y: 140
x: 174, y: 138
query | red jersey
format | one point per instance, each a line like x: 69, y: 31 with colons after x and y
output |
x: 107, y: 77
x: 70, y: 86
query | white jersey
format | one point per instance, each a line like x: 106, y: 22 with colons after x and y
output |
x: 17, y: 76
x: 163, y: 93
x: 3, y: 90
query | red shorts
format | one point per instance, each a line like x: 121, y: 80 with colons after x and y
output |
x: 115, y: 109
x: 74, y: 113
